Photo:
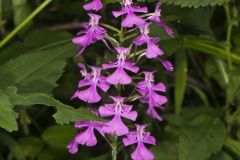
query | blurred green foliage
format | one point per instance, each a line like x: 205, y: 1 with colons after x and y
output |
x: 38, y: 76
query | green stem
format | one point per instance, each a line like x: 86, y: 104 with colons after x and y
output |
x: 24, y: 23
x: 121, y: 35
x: 130, y: 36
x: 228, y: 52
x: 114, y: 149
x: 228, y: 36
x: 110, y: 27
x: 25, y: 121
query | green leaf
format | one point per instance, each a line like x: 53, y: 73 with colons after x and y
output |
x: 65, y: 113
x: 13, y: 146
x: 198, y: 132
x: 44, y: 37
x: 12, y: 51
x: 166, y: 150
x: 32, y: 146
x: 7, y: 116
x: 180, y: 79
x: 198, y: 20
x: 205, y: 136
x: 234, y: 145
x: 58, y: 136
x: 221, y: 156
x: 39, y: 69
x: 195, y: 3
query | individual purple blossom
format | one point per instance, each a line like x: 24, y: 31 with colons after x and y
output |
x: 118, y: 110
x: 91, y: 33
x: 155, y: 17
x: 167, y: 65
x: 94, y: 80
x: 148, y: 90
x: 131, y: 18
x: 119, y: 76
x: 140, y: 136
x: 87, y: 136
x: 95, y: 5
x: 152, y: 50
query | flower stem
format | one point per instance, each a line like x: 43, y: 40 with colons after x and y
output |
x: 229, y: 33
x: 114, y: 148
x: 24, y: 23
x: 110, y: 27
x: 228, y: 52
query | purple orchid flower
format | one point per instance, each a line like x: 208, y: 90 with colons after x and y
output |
x: 86, y: 137
x: 148, y: 89
x: 153, y: 50
x: 140, y: 136
x: 95, y: 5
x: 119, y: 76
x: 94, y: 80
x: 155, y: 17
x: 131, y: 19
x: 118, y: 110
x: 91, y: 33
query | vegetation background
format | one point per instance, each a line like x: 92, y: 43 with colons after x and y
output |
x: 38, y: 75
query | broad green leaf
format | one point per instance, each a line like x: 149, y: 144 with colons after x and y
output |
x: 195, y: 3
x: 166, y: 150
x: 58, y: 136
x: 180, y: 79
x: 65, y: 113
x: 32, y: 146
x: 221, y: 156
x: 7, y: 114
x: 197, y: 131
x: 13, y: 146
x: 12, y: 51
x: 205, y: 136
x: 198, y: 20
x: 234, y: 145
x: 44, y: 37
x: 36, y: 71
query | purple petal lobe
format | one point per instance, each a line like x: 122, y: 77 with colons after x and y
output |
x: 94, y: 5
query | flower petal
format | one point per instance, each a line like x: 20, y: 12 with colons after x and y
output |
x: 89, y: 95
x: 116, y: 126
x: 131, y: 19
x: 94, y: 5
x: 142, y: 153
x: 153, y: 50
x: 119, y: 76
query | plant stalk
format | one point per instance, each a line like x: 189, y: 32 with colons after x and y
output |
x: 228, y: 52
x: 24, y: 23
x: 114, y: 148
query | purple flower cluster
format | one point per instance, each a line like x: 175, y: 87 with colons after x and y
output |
x: 94, y: 80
